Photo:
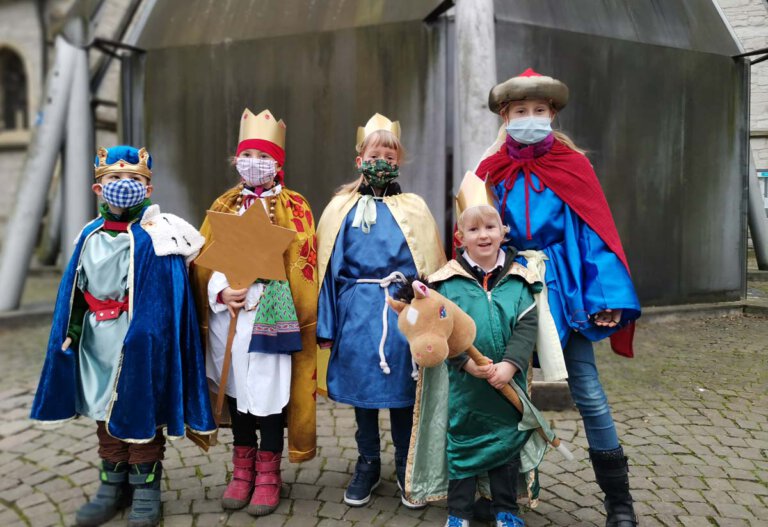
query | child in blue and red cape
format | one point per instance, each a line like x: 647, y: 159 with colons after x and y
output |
x: 557, y: 213
x: 124, y: 347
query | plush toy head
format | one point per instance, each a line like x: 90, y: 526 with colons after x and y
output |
x: 434, y: 326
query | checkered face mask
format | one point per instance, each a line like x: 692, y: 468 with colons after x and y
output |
x: 124, y: 193
x: 256, y: 172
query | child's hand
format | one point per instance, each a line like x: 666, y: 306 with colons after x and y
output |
x: 608, y: 318
x: 65, y: 345
x: 481, y: 372
x: 502, y: 374
x: 234, y: 299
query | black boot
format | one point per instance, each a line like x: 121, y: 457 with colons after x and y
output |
x: 146, y: 509
x: 612, y: 473
x: 112, y: 496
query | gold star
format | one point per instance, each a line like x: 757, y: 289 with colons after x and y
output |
x: 246, y: 247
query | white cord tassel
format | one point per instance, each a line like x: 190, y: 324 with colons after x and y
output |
x: 565, y: 452
x: 384, y: 322
x: 384, y: 283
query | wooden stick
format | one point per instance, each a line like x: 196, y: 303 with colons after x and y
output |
x: 508, y: 391
x: 225, y: 368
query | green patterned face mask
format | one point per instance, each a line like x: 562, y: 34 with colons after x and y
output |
x: 378, y: 173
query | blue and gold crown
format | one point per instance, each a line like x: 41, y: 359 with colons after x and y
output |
x: 123, y: 158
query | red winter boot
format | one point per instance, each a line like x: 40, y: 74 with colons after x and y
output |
x: 240, y: 488
x: 266, y: 492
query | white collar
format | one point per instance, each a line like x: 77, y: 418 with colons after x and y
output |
x: 499, y: 261
x: 274, y: 191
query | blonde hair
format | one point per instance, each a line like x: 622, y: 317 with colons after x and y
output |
x: 560, y: 136
x: 382, y: 138
x: 477, y: 215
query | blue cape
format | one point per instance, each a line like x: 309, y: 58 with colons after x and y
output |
x: 161, y: 381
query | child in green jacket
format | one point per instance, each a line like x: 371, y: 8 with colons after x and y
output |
x: 483, y: 435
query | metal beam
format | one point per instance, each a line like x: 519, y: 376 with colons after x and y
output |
x: 47, y: 136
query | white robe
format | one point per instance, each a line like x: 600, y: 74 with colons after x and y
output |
x: 261, y: 382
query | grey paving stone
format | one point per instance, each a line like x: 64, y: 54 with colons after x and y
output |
x: 305, y: 507
x: 695, y: 455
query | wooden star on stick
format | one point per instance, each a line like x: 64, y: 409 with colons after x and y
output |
x: 246, y: 247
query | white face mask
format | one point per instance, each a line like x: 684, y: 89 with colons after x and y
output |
x: 256, y: 172
x: 529, y: 130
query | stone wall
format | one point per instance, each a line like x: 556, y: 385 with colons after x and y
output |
x: 749, y: 20
x: 19, y: 32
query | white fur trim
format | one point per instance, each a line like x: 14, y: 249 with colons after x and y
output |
x: 171, y: 234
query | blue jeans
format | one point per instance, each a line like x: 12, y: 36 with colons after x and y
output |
x: 588, y: 394
x: 367, y: 435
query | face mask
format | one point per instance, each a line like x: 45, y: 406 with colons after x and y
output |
x: 529, y: 130
x: 124, y: 193
x: 379, y: 173
x: 256, y: 172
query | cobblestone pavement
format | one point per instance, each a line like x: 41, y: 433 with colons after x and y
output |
x: 691, y: 409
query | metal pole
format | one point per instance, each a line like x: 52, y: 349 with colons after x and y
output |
x: 36, y: 178
x: 758, y: 222
x: 78, y: 159
x: 476, y: 75
x: 49, y: 252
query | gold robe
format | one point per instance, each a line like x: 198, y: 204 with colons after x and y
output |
x: 291, y: 211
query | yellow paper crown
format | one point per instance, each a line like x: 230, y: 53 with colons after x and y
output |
x: 262, y: 126
x: 121, y: 165
x: 473, y: 192
x: 376, y: 123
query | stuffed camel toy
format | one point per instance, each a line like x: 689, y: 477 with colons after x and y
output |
x: 437, y: 329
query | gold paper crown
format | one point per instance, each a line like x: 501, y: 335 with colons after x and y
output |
x: 263, y: 126
x: 121, y: 165
x: 473, y: 192
x: 376, y: 123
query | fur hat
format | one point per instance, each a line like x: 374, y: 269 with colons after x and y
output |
x: 528, y: 85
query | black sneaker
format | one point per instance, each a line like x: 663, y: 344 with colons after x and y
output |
x: 367, y: 477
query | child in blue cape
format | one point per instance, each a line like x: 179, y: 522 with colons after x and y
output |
x: 124, y: 348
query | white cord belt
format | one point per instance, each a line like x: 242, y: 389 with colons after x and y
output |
x: 384, y: 283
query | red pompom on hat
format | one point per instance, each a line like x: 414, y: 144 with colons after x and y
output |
x: 528, y: 85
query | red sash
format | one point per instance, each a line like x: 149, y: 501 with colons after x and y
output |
x: 108, y: 309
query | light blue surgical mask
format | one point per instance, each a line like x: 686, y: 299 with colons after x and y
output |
x: 529, y: 130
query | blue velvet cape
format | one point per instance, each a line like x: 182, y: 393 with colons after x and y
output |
x: 583, y: 275
x: 161, y: 381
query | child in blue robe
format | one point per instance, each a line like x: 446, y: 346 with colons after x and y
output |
x: 371, y: 237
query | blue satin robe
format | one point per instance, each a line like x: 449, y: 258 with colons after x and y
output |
x: 161, y: 381
x: 583, y: 275
x: 350, y: 314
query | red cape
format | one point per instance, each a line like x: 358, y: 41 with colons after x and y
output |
x: 571, y: 177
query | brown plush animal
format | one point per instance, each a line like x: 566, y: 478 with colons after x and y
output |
x: 436, y: 329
